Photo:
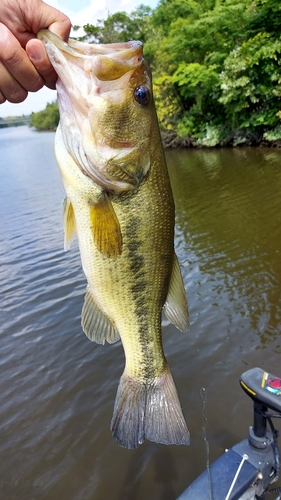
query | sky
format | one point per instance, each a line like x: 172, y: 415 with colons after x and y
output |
x: 80, y: 12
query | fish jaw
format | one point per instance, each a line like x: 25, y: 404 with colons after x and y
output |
x: 104, y: 128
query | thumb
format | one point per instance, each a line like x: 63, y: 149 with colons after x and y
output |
x: 37, y: 54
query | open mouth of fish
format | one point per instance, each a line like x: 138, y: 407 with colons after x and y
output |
x: 111, y: 61
x: 96, y: 96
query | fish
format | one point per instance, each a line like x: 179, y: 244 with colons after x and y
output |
x: 120, y: 204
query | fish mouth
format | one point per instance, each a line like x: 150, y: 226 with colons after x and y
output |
x: 110, y: 61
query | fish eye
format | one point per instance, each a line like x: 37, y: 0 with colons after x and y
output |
x: 142, y: 94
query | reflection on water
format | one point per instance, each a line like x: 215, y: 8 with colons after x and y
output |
x: 57, y: 389
x: 228, y: 206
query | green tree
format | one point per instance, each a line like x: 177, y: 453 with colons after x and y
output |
x: 266, y: 17
x: 170, y: 11
x: 47, y: 119
x: 251, y: 84
x: 198, y: 85
x: 222, y: 65
x: 211, y: 36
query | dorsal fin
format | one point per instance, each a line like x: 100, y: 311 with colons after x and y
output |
x: 68, y: 223
x: 105, y: 227
x: 175, y: 307
x: 95, y: 324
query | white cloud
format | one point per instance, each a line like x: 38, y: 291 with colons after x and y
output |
x: 80, y: 13
x: 93, y: 9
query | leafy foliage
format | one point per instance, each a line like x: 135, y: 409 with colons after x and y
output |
x: 47, y: 119
x: 251, y: 83
x: 224, y: 66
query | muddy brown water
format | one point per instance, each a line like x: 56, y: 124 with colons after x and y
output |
x: 57, y: 389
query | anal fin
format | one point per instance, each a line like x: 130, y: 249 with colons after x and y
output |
x: 96, y: 325
x: 105, y: 227
x: 175, y: 307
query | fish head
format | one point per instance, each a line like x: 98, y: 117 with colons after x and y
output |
x: 106, y: 109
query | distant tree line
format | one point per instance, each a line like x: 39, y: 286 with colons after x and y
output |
x: 216, y: 67
x: 14, y: 121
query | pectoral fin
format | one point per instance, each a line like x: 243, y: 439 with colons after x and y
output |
x: 69, y: 223
x: 175, y: 307
x: 95, y: 324
x: 105, y: 227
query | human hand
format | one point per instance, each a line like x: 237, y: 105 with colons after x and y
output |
x: 24, y: 64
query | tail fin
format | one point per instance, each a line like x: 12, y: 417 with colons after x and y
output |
x: 150, y: 411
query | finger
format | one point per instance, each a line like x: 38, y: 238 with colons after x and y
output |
x: 50, y: 18
x: 38, y: 56
x: 2, y: 98
x: 14, y: 58
x: 10, y: 89
x: 25, y: 22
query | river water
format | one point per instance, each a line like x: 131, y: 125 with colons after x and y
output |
x: 57, y: 389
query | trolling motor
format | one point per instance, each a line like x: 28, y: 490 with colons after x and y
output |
x: 246, y: 470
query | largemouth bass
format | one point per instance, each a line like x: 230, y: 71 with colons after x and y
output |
x: 120, y: 204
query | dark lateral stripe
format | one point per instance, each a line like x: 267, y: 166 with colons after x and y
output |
x: 140, y: 297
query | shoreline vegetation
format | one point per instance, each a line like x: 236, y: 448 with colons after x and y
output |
x: 171, y: 140
x: 216, y: 68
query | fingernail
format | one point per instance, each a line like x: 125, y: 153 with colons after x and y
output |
x: 35, y: 53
